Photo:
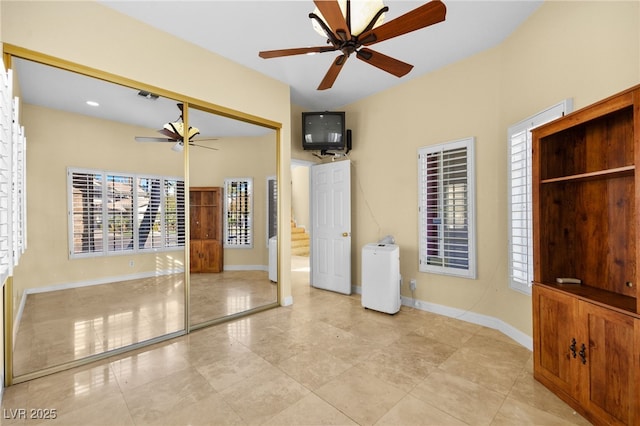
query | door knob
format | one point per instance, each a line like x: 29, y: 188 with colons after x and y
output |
x: 345, y: 234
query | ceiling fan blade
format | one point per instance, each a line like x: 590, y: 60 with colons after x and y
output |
x: 202, y: 146
x: 384, y: 62
x: 420, y: 17
x: 332, y: 74
x: 152, y: 139
x: 267, y: 54
x: 203, y: 139
x: 332, y: 14
x: 169, y: 134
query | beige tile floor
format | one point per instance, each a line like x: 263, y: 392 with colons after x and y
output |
x: 324, y: 360
x: 66, y: 325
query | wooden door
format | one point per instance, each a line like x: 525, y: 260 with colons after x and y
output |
x: 609, y: 390
x: 557, y: 337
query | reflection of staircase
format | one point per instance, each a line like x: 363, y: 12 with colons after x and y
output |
x: 299, y: 241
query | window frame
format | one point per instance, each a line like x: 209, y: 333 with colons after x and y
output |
x: 520, y: 279
x: 424, y: 247
x: 248, y: 244
x: 135, y: 215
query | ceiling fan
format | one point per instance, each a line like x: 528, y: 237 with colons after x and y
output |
x: 337, y: 26
x: 175, y: 132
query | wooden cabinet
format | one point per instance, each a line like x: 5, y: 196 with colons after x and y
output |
x: 205, y: 207
x: 586, y: 197
x: 586, y: 354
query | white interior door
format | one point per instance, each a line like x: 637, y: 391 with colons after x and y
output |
x: 331, y: 226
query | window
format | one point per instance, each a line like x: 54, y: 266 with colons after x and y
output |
x: 118, y: 212
x: 447, y: 210
x: 13, y: 226
x: 519, y: 195
x: 238, y: 213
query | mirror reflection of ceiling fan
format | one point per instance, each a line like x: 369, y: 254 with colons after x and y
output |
x: 175, y: 132
x: 338, y: 21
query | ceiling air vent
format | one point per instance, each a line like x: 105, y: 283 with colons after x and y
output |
x: 148, y: 95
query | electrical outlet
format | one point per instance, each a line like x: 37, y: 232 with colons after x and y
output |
x: 131, y: 263
x: 412, y: 284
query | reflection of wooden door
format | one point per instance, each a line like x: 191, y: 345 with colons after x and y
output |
x: 205, y: 205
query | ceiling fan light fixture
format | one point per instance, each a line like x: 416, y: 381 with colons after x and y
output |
x: 178, y: 147
x: 362, y: 12
x: 177, y: 127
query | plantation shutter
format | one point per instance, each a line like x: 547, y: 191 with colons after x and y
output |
x: 86, y: 212
x: 111, y: 213
x: 238, y: 213
x: 272, y: 208
x: 6, y: 258
x: 174, y: 213
x: 520, y: 210
x: 119, y: 197
x: 149, y: 200
x: 447, y: 234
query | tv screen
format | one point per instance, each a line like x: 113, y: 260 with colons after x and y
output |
x: 323, y: 130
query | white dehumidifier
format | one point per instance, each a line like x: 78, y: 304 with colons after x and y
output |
x: 381, y: 277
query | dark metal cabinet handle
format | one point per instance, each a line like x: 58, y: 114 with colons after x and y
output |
x: 583, y: 353
x: 572, y: 348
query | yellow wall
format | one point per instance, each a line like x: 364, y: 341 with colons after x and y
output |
x: 583, y: 50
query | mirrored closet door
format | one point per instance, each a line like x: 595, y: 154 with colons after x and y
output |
x: 133, y: 236
x: 104, y: 267
x: 233, y: 194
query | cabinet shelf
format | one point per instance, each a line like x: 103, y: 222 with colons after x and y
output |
x: 600, y: 174
x: 608, y: 299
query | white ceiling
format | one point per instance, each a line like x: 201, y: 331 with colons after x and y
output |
x: 63, y: 90
x: 238, y: 30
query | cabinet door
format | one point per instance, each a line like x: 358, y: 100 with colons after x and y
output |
x: 555, y: 330
x: 211, y: 256
x: 611, y: 389
x: 208, y: 223
x: 195, y: 258
x: 195, y: 221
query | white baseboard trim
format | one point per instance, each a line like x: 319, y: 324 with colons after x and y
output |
x: 472, y: 317
x: 79, y: 284
x: 468, y: 316
x: 288, y: 301
x: 246, y: 268
x: 105, y: 280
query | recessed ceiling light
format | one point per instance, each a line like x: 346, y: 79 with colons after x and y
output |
x: 93, y: 103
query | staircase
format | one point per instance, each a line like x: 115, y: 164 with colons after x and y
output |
x: 299, y: 241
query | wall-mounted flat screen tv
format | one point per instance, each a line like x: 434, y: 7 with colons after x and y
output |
x: 323, y: 131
